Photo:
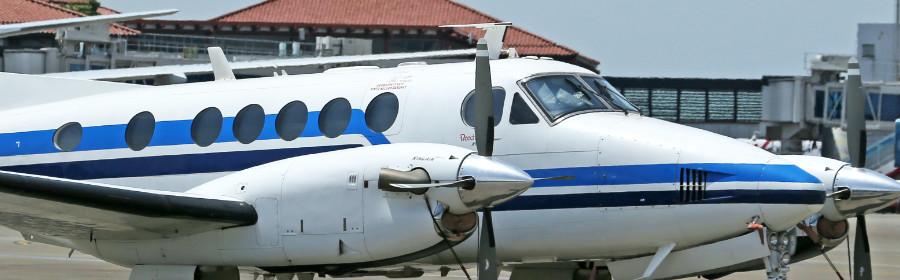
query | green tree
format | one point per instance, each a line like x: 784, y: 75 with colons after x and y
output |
x: 87, y: 8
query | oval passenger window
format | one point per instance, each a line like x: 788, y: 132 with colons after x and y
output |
x: 139, y: 131
x: 206, y: 126
x: 335, y: 117
x: 67, y: 137
x: 382, y: 112
x: 468, y: 109
x: 291, y: 120
x: 248, y: 123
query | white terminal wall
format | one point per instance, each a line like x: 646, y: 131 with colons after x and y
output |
x: 883, y: 66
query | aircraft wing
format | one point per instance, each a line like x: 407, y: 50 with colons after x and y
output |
x: 7, y: 30
x: 152, y: 72
x: 74, y: 209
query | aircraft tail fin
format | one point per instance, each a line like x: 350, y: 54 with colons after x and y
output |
x: 21, y: 90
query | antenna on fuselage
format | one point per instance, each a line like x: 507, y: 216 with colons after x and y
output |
x: 493, y: 35
x: 221, y: 69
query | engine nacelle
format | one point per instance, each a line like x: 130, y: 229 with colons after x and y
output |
x: 325, y: 212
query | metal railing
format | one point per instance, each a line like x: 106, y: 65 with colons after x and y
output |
x: 882, y: 105
x: 192, y: 46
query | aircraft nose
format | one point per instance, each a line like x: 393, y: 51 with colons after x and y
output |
x: 788, y: 194
x: 861, y: 191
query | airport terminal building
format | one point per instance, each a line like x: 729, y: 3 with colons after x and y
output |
x: 269, y: 29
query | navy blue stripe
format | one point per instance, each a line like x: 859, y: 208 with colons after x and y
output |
x: 656, y: 198
x: 166, y: 165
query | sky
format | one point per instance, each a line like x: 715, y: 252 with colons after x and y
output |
x: 685, y: 38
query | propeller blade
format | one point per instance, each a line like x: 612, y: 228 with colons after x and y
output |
x: 862, y: 259
x: 856, y: 146
x: 484, y: 101
x: 487, y: 249
x: 467, y: 184
x: 856, y: 122
x: 841, y: 193
x: 557, y: 178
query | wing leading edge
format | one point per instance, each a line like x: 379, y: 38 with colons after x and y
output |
x: 37, y: 26
x: 73, y: 209
x: 124, y: 74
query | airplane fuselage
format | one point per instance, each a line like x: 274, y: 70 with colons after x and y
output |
x: 640, y: 183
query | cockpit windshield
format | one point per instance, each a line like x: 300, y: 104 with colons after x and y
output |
x: 563, y: 94
x: 608, y: 93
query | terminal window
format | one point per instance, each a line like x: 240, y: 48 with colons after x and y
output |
x: 868, y: 50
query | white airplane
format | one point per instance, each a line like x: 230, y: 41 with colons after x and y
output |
x: 321, y: 173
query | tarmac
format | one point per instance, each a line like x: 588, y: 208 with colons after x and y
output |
x: 20, y: 259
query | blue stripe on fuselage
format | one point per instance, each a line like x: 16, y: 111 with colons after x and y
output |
x: 668, y: 173
x: 167, y: 133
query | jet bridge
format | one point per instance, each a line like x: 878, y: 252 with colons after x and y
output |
x: 799, y: 108
x: 786, y: 108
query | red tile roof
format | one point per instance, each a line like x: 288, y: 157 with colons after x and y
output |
x: 17, y: 11
x: 358, y: 12
x: 390, y: 14
x: 107, y: 11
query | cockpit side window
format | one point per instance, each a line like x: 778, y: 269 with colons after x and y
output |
x: 609, y: 93
x: 520, y: 113
x: 559, y: 95
x: 468, y: 108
